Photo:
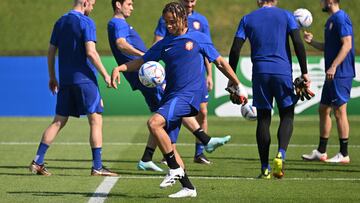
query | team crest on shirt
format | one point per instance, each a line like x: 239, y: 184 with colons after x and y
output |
x: 189, y: 45
x: 196, y: 25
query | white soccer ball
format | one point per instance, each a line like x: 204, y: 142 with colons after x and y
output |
x: 151, y: 74
x: 303, y: 17
x: 249, y: 112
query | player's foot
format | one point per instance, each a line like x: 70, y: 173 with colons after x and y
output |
x: 216, y: 142
x: 163, y: 161
x: 184, y: 192
x: 201, y: 159
x: 265, y: 174
x: 172, y: 176
x: 148, y: 166
x: 315, y: 155
x: 339, y: 158
x: 278, y: 166
x: 38, y: 169
x: 102, y: 172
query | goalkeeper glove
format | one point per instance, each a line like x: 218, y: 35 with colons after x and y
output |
x: 301, y: 89
x: 238, y: 94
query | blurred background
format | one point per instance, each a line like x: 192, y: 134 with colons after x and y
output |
x: 26, y: 25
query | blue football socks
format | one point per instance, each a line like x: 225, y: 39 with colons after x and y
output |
x: 96, y: 154
x: 199, y: 149
x: 40, y: 154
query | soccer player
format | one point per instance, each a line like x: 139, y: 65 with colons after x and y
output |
x: 339, y: 53
x: 126, y: 45
x: 183, y: 53
x: 268, y: 29
x: 74, y: 34
x: 197, y: 22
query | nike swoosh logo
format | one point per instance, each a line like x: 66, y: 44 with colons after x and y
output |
x: 167, y: 49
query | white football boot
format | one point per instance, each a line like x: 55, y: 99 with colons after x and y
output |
x: 184, y: 192
x: 172, y: 176
x: 315, y: 155
x: 339, y: 158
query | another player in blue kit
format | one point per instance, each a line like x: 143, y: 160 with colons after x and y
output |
x: 183, y: 53
x: 74, y: 35
x: 196, y: 22
x: 126, y: 45
x: 268, y: 29
x: 339, y: 54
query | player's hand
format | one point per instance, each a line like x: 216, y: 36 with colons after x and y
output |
x: 53, y: 86
x: 115, y: 78
x: 330, y: 73
x: 302, y: 88
x: 209, y: 83
x: 238, y: 94
x: 107, y: 80
x: 308, y: 37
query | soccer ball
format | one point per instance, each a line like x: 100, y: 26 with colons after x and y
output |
x: 249, y: 112
x: 303, y: 17
x: 151, y: 74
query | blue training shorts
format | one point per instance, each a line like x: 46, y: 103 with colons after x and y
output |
x: 78, y: 99
x: 204, y: 94
x: 269, y: 86
x: 336, y: 92
x: 173, y: 110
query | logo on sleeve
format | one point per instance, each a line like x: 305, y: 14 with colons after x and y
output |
x: 189, y: 45
x: 331, y: 26
x: 196, y: 25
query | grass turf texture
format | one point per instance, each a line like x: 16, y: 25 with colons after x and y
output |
x: 229, y: 178
x: 26, y: 25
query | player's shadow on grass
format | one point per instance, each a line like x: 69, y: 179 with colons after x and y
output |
x: 89, y: 160
x: 227, y: 158
x: 84, y: 194
x: 318, y: 170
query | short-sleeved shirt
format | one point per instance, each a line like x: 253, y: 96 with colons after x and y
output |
x: 119, y: 28
x: 184, y: 60
x: 339, y: 25
x: 196, y: 22
x: 268, y: 30
x: 70, y: 33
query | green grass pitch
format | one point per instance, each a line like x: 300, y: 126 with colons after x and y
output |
x: 229, y: 178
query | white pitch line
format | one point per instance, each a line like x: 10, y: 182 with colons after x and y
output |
x: 244, y: 178
x: 103, y: 190
x: 178, y: 144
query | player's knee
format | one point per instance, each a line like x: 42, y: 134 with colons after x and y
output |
x: 154, y: 123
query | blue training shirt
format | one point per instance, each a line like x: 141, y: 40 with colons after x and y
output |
x: 119, y: 28
x: 196, y: 21
x: 69, y: 34
x: 184, y: 60
x: 339, y: 25
x: 268, y: 30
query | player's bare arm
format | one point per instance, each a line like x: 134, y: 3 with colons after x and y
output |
x: 209, y: 80
x: 94, y: 57
x: 130, y: 66
x: 53, y: 83
x: 125, y: 47
x: 345, y: 49
x: 308, y: 37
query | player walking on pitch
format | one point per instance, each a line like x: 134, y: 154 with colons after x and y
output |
x: 183, y: 53
x: 339, y: 53
x: 74, y: 34
x: 268, y: 29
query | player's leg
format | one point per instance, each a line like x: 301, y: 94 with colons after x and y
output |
x: 341, y: 91
x: 156, y: 125
x: 49, y: 135
x: 201, y: 118
x: 152, y: 98
x: 262, y: 100
x: 286, y: 99
x: 64, y: 108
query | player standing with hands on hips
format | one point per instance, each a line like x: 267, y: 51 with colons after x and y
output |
x: 268, y: 29
x: 74, y: 34
x: 182, y: 53
x: 339, y: 54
